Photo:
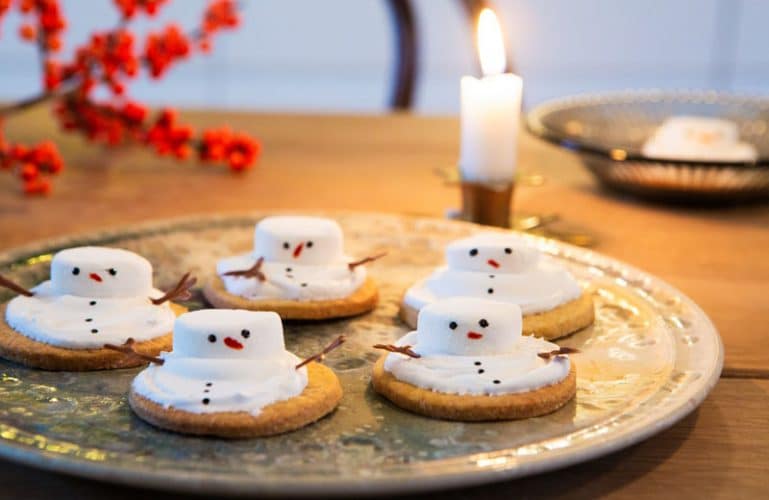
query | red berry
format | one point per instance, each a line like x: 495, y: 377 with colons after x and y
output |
x: 28, y: 32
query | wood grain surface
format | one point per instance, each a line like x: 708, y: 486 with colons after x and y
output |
x: 717, y: 256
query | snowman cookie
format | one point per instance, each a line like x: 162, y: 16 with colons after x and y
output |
x: 504, y: 268
x: 95, y: 296
x: 229, y: 375
x: 298, y: 269
x: 468, y: 361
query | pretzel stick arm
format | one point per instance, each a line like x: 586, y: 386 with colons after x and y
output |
x: 10, y: 285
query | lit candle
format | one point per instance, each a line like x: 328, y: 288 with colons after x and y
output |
x: 491, y: 108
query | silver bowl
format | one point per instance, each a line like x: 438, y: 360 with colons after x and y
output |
x: 608, y: 130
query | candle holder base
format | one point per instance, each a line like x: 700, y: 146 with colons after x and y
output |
x: 488, y: 204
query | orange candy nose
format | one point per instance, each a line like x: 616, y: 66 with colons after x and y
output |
x: 232, y: 343
x: 474, y: 335
x: 298, y: 250
x: 95, y: 277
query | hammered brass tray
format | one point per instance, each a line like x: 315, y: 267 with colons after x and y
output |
x: 651, y: 357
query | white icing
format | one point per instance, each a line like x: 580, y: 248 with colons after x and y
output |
x: 500, y: 362
x: 206, y: 373
x: 698, y: 138
x: 303, y: 260
x: 95, y: 296
x: 500, y: 267
x: 62, y: 320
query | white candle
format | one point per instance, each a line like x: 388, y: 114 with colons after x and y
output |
x: 490, y: 112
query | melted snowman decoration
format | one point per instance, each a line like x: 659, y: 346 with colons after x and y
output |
x: 698, y: 138
x: 499, y: 267
x: 96, y: 295
x: 475, y: 347
x: 224, y: 360
x: 303, y: 259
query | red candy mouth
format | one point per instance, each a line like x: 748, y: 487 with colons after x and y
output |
x: 493, y: 263
x: 298, y: 250
x: 232, y: 343
x: 474, y: 335
x: 95, y: 277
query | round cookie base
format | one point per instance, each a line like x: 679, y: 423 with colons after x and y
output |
x: 21, y: 349
x: 319, y: 398
x: 363, y: 300
x: 471, y: 408
x: 560, y: 322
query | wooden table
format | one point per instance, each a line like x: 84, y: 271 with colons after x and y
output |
x: 716, y: 256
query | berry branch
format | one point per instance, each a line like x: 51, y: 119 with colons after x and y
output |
x: 111, y: 60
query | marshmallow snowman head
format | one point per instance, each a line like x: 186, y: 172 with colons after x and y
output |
x: 468, y: 327
x: 492, y: 253
x: 100, y: 272
x: 299, y: 240
x: 228, y: 334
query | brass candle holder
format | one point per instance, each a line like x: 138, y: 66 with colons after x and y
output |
x: 488, y: 204
x: 492, y: 204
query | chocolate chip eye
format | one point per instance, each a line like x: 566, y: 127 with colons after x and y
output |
x: 473, y: 252
x: 309, y: 244
x: 245, y: 334
x: 453, y: 325
x: 112, y: 271
x: 76, y: 271
x: 508, y: 251
x: 483, y: 323
x: 286, y: 246
x: 212, y: 338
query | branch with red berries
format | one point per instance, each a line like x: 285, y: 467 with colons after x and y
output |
x: 111, y: 60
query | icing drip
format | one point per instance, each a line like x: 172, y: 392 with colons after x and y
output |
x: 498, y: 267
x: 77, y: 322
x: 291, y: 281
x: 519, y: 371
x: 203, y: 385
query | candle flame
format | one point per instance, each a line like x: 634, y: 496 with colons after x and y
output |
x: 490, y: 43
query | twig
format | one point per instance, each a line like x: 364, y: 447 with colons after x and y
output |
x: 128, y: 348
x: 252, y: 272
x: 10, y: 285
x: 557, y: 352
x: 180, y: 291
x: 406, y: 349
x: 365, y: 260
x: 29, y: 102
x: 322, y: 354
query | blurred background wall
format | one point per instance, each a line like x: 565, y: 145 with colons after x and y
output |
x: 336, y: 55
